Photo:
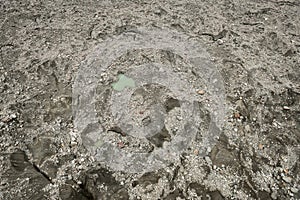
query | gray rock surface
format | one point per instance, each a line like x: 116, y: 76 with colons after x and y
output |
x: 254, y: 45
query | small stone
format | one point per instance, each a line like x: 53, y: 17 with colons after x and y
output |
x: 208, y: 160
x: 286, y: 107
x: 208, y: 150
x: 274, y: 195
x: 294, y: 190
x: 179, y: 118
x: 73, y: 143
x: 13, y: 116
x: 241, y: 107
x: 201, y: 92
x: 247, y: 128
x: 260, y: 146
x: 237, y: 115
x: 287, y: 179
x: 279, y: 169
x: 121, y: 144
x: 196, y: 152
x: 6, y: 119
x: 219, y: 41
x: 157, y: 11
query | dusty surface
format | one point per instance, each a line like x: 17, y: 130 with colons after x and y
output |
x: 255, y: 47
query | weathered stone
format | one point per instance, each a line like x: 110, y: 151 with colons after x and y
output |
x: 242, y: 108
x: 111, y: 190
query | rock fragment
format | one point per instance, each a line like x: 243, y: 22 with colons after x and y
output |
x: 201, y: 92
x: 286, y: 108
x: 287, y: 179
x: 294, y: 190
x: 242, y: 108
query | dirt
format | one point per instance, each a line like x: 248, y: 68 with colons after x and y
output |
x: 226, y: 129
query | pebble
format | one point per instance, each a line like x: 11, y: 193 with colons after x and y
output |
x: 237, y: 115
x: 208, y: 150
x: 13, y: 116
x: 287, y: 179
x: 6, y: 119
x: 73, y: 143
x: 179, y: 118
x: 201, y: 92
x: 274, y: 195
x: 196, y: 152
x: 157, y: 11
x: 241, y: 108
x: 286, y: 108
x: 121, y: 144
x: 208, y: 160
x: 260, y: 146
x: 280, y: 169
x: 294, y: 190
x: 219, y: 41
x: 247, y: 128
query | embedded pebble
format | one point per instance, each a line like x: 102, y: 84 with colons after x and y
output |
x: 287, y: 179
x: 274, y: 195
x: 286, y: 107
x: 13, y: 116
x: 247, y: 128
x: 208, y: 160
x: 294, y: 190
x: 201, y: 92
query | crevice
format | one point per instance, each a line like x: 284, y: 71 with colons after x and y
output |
x: 85, y: 192
x: 41, y: 172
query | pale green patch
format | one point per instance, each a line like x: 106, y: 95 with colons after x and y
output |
x: 123, y: 82
x: 98, y: 143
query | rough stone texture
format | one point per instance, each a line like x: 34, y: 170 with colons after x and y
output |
x: 255, y: 45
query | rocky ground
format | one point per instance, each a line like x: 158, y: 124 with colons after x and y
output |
x: 254, y: 45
